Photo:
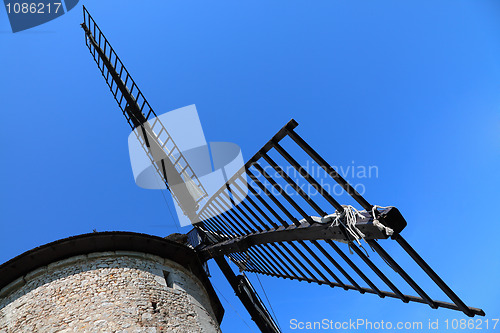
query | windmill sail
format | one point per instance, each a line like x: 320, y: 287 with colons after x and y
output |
x: 284, y: 231
x: 154, y: 138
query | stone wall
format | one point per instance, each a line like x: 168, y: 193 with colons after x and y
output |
x: 116, y: 291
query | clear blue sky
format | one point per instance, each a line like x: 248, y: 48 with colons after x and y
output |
x: 412, y: 87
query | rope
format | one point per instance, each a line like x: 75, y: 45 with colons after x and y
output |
x: 268, y: 302
x: 166, y: 203
x: 170, y: 211
x: 388, y: 231
x: 234, y: 309
x: 349, y: 215
x: 347, y: 220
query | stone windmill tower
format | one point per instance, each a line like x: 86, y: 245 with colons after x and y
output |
x: 108, y: 282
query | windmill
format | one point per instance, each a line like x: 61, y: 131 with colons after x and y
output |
x: 289, y: 225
